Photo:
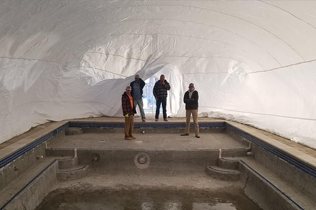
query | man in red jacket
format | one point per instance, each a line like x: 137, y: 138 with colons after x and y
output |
x: 128, y: 112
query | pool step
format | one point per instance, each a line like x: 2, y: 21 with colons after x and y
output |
x: 60, y: 152
x: 227, y: 163
x: 262, y: 184
x: 19, y: 194
x: 73, y: 173
x: 68, y: 169
x: 67, y: 162
x: 234, y: 152
x: 223, y: 174
x: 226, y: 169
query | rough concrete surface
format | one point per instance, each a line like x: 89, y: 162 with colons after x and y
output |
x: 148, y: 141
x: 131, y: 192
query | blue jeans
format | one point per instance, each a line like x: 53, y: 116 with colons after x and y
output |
x: 141, y: 109
x: 162, y: 101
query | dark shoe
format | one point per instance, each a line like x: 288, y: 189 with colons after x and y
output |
x: 165, y: 119
x: 156, y: 120
x: 197, y: 136
x: 184, y: 134
x: 144, y: 120
x: 132, y: 137
x: 128, y: 138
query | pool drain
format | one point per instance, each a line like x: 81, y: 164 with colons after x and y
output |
x: 142, y: 160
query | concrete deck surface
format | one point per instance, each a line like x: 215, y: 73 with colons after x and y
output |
x: 155, y: 141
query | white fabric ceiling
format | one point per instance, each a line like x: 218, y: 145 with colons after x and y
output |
x: 251, y: 61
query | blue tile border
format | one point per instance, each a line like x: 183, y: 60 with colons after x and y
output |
x: 95, y: 125
x: 279, y: 153
x: 143, y: 125
x: 31, y: 146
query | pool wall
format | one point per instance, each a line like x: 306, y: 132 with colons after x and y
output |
x: 154, y: 161
x: 264, y: 192
x: 32, y: 194
x: 295, y: 171
x: 15, y: 164
x: 302, y: 176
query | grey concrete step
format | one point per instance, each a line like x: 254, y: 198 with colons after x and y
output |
x: 60, y: 152
x: 263, y: 184
x: 15, y: 188
x: 67, y: 162
x: 228, y: 163
x: 223, y: 174
x: 73, y: 173
x: 121, y: 160
x: 151, y: 141
x: 234, y: 152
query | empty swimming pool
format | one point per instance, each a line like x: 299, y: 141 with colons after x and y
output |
x: 90, y: 165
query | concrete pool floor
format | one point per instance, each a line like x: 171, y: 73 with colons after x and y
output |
x: 150, y: 198
x: 161, y: 141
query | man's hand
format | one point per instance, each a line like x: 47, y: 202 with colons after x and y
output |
x: 127, y: 115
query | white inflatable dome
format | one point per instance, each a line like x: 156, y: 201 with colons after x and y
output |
x: 252, y: 62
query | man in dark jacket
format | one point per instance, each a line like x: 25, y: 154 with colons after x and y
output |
x: 137, y: 93
x: 160, y: 93
x: 191, y: 100
x: 128, y: 112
